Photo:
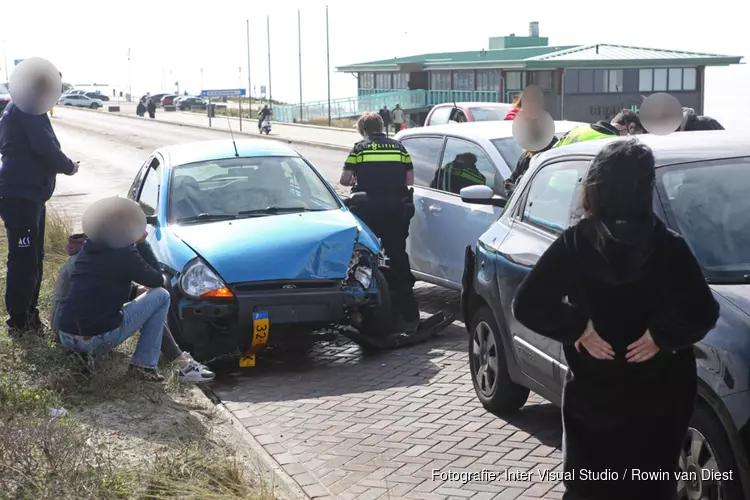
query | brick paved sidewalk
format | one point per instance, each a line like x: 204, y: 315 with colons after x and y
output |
x: 346, y: 425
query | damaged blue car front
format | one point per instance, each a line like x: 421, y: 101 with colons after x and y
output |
x: 257, y: 248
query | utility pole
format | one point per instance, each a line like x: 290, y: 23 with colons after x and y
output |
x: 299, y: 38
x: 129, y: 90
x: 249, y: 87
x: 201, y: 79
x: 240, y: 99
x: 268, y: 31
x: 328, y: 68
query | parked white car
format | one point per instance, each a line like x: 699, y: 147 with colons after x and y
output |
x: 80, y: 101
x: 443, y: 225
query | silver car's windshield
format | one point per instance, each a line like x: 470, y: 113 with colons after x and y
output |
x: 709, y: 205
x: 237, y: 187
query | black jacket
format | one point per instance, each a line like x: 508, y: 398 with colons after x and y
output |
x: 101, y: 283
x: 525, y: 160
x: 693, y: 121
x: 386, y: 116
x: 31, y: 156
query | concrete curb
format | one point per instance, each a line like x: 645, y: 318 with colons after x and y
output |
x: 315, y: 144
x: 290, y: 489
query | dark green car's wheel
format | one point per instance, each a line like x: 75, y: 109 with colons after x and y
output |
x: 489, y: 368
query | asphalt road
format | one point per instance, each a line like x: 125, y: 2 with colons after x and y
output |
x: 112, y: 149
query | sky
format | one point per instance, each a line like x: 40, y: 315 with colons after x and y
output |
x: 207, y: 48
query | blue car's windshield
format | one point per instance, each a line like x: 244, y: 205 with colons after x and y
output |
x: 266, y: 185
x: 709, y: 205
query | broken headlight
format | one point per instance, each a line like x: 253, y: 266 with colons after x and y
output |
x: 360, y: 267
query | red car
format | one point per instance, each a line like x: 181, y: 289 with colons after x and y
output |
x: 467, y: 112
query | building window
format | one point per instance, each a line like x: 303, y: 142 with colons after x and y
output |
x: 514, y: 80
x: 367, y: 80
x: 463, y: 80
x: 488, y: 80
x: 541, y: 78
x: 383, y: 81
x: 440, y: 80
x: 689, y: 79
x: 593, y: 81
x: 667, y: 80
x: 401, y: 81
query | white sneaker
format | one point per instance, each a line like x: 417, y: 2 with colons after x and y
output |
x: 194, y: 372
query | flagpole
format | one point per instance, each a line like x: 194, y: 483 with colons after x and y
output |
x: 249, y: 87
x: 328, y: 67
x: 299, y: 38
x: 268, y: 31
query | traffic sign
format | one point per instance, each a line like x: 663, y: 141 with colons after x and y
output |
x: 223, y: 93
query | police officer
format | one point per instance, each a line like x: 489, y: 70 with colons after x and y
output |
x: 626, y: 122
x: 31, y: 160
x: 382, y: 168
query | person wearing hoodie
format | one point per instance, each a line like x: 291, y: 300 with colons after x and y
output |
x: 189, y: 369
x: 31, y: 160
x: 627, y: 299
x: 626, y: 122
x: 693, y: 121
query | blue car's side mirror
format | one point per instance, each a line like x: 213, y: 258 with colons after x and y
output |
x: 152, y: 220
x: 355, y: 198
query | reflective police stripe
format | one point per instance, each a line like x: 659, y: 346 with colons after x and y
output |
x: 353, y: 159
x: 580, y: 134
x: 381, y: 156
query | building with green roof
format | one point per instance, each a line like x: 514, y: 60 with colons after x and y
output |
x: 581, y: 82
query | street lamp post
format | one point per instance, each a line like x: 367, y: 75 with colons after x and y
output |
x: 328, y: 68
x: 249, y: 88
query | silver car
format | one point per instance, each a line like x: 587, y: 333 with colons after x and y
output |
x: 443, y: 225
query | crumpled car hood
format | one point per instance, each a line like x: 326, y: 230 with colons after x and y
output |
x: 278, y: 247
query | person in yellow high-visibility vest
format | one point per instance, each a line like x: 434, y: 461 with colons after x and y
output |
x: 626, y: 122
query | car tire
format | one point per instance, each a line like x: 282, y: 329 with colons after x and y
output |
x: 377, y: 321
x: 94, y: 106
x: 706, y: 434
x: 67, y: 104
x: 489, y: 366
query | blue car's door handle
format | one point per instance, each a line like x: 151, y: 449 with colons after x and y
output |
x: 435, y: 209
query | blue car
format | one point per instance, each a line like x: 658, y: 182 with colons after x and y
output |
x: 256, y: 246
x: 701, y: 192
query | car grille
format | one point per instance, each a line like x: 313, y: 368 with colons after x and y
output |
x: 259, y: 286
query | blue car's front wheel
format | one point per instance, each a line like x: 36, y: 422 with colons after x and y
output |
x: 377, y: 319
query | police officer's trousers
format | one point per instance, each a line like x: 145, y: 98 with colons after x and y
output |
x: 24, y: 227
x: 390, y: 223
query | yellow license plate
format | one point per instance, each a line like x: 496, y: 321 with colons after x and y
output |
x: 261, y: 326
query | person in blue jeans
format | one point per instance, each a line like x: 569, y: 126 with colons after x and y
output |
x: 95, y: 317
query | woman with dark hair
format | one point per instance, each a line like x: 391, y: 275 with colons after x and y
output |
x: 627, y: 299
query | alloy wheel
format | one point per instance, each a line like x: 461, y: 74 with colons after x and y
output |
x: 697, y: 455
x: 485, y: 358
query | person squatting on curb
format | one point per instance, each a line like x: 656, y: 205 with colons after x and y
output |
x: 96, y: 314
x: 31, y: 160
x: 627, y: 299
x: 189, y: 369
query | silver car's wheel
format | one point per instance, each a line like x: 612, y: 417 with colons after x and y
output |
x: 484, y: 354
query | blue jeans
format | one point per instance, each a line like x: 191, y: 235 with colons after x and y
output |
x: 147, y: 312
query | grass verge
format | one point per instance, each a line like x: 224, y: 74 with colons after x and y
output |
x: 65, y: 435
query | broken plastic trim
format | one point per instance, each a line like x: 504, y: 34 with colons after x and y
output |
x: 428, y: 328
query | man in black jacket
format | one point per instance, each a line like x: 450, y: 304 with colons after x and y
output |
x: 693, y: 121
x: 31, y: 160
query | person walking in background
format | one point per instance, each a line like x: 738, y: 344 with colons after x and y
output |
x: 627, y: 299
x: 151, y: 107
x: 385, y: 115
x: 398, y: 119
x: 31, y: 160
